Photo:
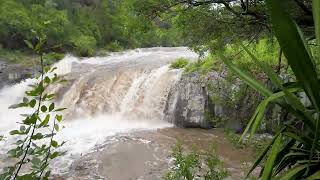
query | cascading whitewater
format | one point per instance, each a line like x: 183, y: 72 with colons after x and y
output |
x: 122, y: 92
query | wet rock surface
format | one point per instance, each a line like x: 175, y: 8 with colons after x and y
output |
x: 14, y: 73
x: 187, y: 103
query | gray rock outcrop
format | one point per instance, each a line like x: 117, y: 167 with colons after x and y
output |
x: 187, y: 103
x: 13, y: 73
x: 213, y: 100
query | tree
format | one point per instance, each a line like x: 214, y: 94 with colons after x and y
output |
x: 211, y: 24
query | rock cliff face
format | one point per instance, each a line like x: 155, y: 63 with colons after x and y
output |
x: 215, y: 101
x: 187, y: 103
x: 193, y: 103
x: 13, y: 73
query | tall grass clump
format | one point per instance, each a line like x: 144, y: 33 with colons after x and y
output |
x: 179, y: 63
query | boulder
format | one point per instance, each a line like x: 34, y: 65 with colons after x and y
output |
x: 187, y: 103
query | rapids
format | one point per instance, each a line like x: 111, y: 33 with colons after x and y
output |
x: 104, y: 96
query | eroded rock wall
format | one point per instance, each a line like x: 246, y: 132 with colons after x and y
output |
x: 187, y: 103
x: 215, y: 100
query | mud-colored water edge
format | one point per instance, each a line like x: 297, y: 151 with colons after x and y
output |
x: 146, y: 155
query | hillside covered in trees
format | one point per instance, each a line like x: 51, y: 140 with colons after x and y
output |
x: 82, y: 26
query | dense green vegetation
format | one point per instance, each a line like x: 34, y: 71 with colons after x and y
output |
x: 268, y: 49
x: 179, y: 63
x: 189, y: 165
x: 82, y: 26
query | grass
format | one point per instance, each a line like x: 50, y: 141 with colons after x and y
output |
x: 203, y: 66
x: 26, y: 58
x: 18, y: 57
x: 266, y: 49
x: 179, y: 63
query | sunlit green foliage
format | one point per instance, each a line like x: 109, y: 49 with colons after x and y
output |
x: 83, y: 27
x: 188, y: 166
x: 84, y: 45
x: 266, y: 49
x: 179, y: 63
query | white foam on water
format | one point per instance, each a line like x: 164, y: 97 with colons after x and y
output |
x: 83, y: 133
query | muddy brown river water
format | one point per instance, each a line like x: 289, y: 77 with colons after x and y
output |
x: 146, y: 155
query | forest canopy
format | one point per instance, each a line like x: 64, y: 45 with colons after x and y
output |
x: 212, y: 24
x: 82, y: 26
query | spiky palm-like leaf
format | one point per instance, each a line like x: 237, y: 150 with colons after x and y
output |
x: 294, y: 153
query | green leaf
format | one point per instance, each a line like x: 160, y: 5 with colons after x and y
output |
x: 45, y: 121
x: 59, y: 118
x: 247, y: 78
x: 46, y: 69
x: 295, y: 102
x: 256, y: 119
x: 51, y: 96
x: 15, y: 106
x: 298, y: 54
x: 295, y: 50
x: 26, y: 177
x: 264, y: 153
x: 314, y: 176
x: 32, y: 103
x: 47, y: 80
x: 29, y: 44
x: 280, y: 159
x: 14, y: 132
x: 54, y: 143
x: 31, y: 120
x: 37, y: 136
x: 53, y: 69
x: 35, y: 161
x: 269, y: 165
x: 56, y: 127
x: 54, y: 155
x: 39, y: 89
x: 51, y: 107
x: 60, y: 109
x: 44, y: 108
x: 291, y: 173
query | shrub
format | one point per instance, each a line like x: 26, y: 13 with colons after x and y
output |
x: 53, y: 57
x: 179, y: 63
x: 84, y: 45
x: 189, y: 165
x: 114, y: 47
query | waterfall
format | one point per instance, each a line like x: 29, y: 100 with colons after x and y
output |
x: 119, y: 93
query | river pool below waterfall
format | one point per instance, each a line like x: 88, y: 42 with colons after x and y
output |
x: 114, y: 126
